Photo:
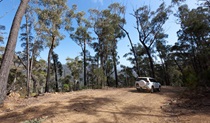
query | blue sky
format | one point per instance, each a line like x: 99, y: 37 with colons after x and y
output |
x: 68, y: 48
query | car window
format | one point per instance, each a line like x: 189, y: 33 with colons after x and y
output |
x: 139, y: 79
x: 152, y: 80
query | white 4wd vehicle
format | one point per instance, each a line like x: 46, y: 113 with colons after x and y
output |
x: 147, y: 83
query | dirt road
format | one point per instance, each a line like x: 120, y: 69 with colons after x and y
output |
x: 101, y: 106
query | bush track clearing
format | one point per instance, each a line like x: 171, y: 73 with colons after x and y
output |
x: 124, y: 105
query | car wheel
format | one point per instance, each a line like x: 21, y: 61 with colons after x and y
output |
x: 139, y: 89
x: 152, y: 90
x: 159, y: 89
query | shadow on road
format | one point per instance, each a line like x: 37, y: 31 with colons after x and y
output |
x: 109, y: 104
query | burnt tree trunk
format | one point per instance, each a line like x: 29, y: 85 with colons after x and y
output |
x: 49, y: 64
x: 56, y: 73
x: 152, y: 71
x: 115, y: 71
x: 84, y: 53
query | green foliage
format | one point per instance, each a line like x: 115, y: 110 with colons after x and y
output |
x: 106, y: 25
x: 35, y: 120
x: 149, y: 25
x: 39, y: 73
x: 192, y: 48
x: 126, y: 77
x: 82, y: 37
x: 205, y: 78
x: 66, y: 87
x: 83, y: 87
x: 175, y: 76
x: 1, y: 36
x: 52, y: 18
x: 100, y: 77
x: 1, y: 41
x: 75, y: 66
x: 191, y: 79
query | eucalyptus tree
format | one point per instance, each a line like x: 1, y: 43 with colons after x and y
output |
x: 149, y: 25
x: 163, y: 53
x: 106, y: 27
x: 26, y: 37
x: 35, y: 47
x: 52, y: 16
x: 10, y: 47
x: 32, y: 43
x: 82, y: 36
x: 102, y: 29
x: 193, y: 43
x: 117, y: 12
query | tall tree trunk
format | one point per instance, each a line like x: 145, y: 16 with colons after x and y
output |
x: 49, y: 64
x: 31, y: 70
x: 102, y: 67
x: 114, y: 61
x: 181, y: 70
x: 151, y: 65
x: 164, y: 69
x: 115, y: 68
x: 56, y: 77
x: 10, y: 48
x: 133, y: 50
x: 56, y: 74
x: 10, y: 88
x: 164, y: 72
x: 152, y: 72
x: 107, y: 81
x: 84, y: 53
x: 27, y: 53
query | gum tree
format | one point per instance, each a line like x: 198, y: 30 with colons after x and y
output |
x: 82, y: 37
x: 10, y: 48
x: 51, y: 15
x: 149, y: 27
x: 106, y: 27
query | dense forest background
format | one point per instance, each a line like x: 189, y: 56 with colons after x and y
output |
x: 186, y: 63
